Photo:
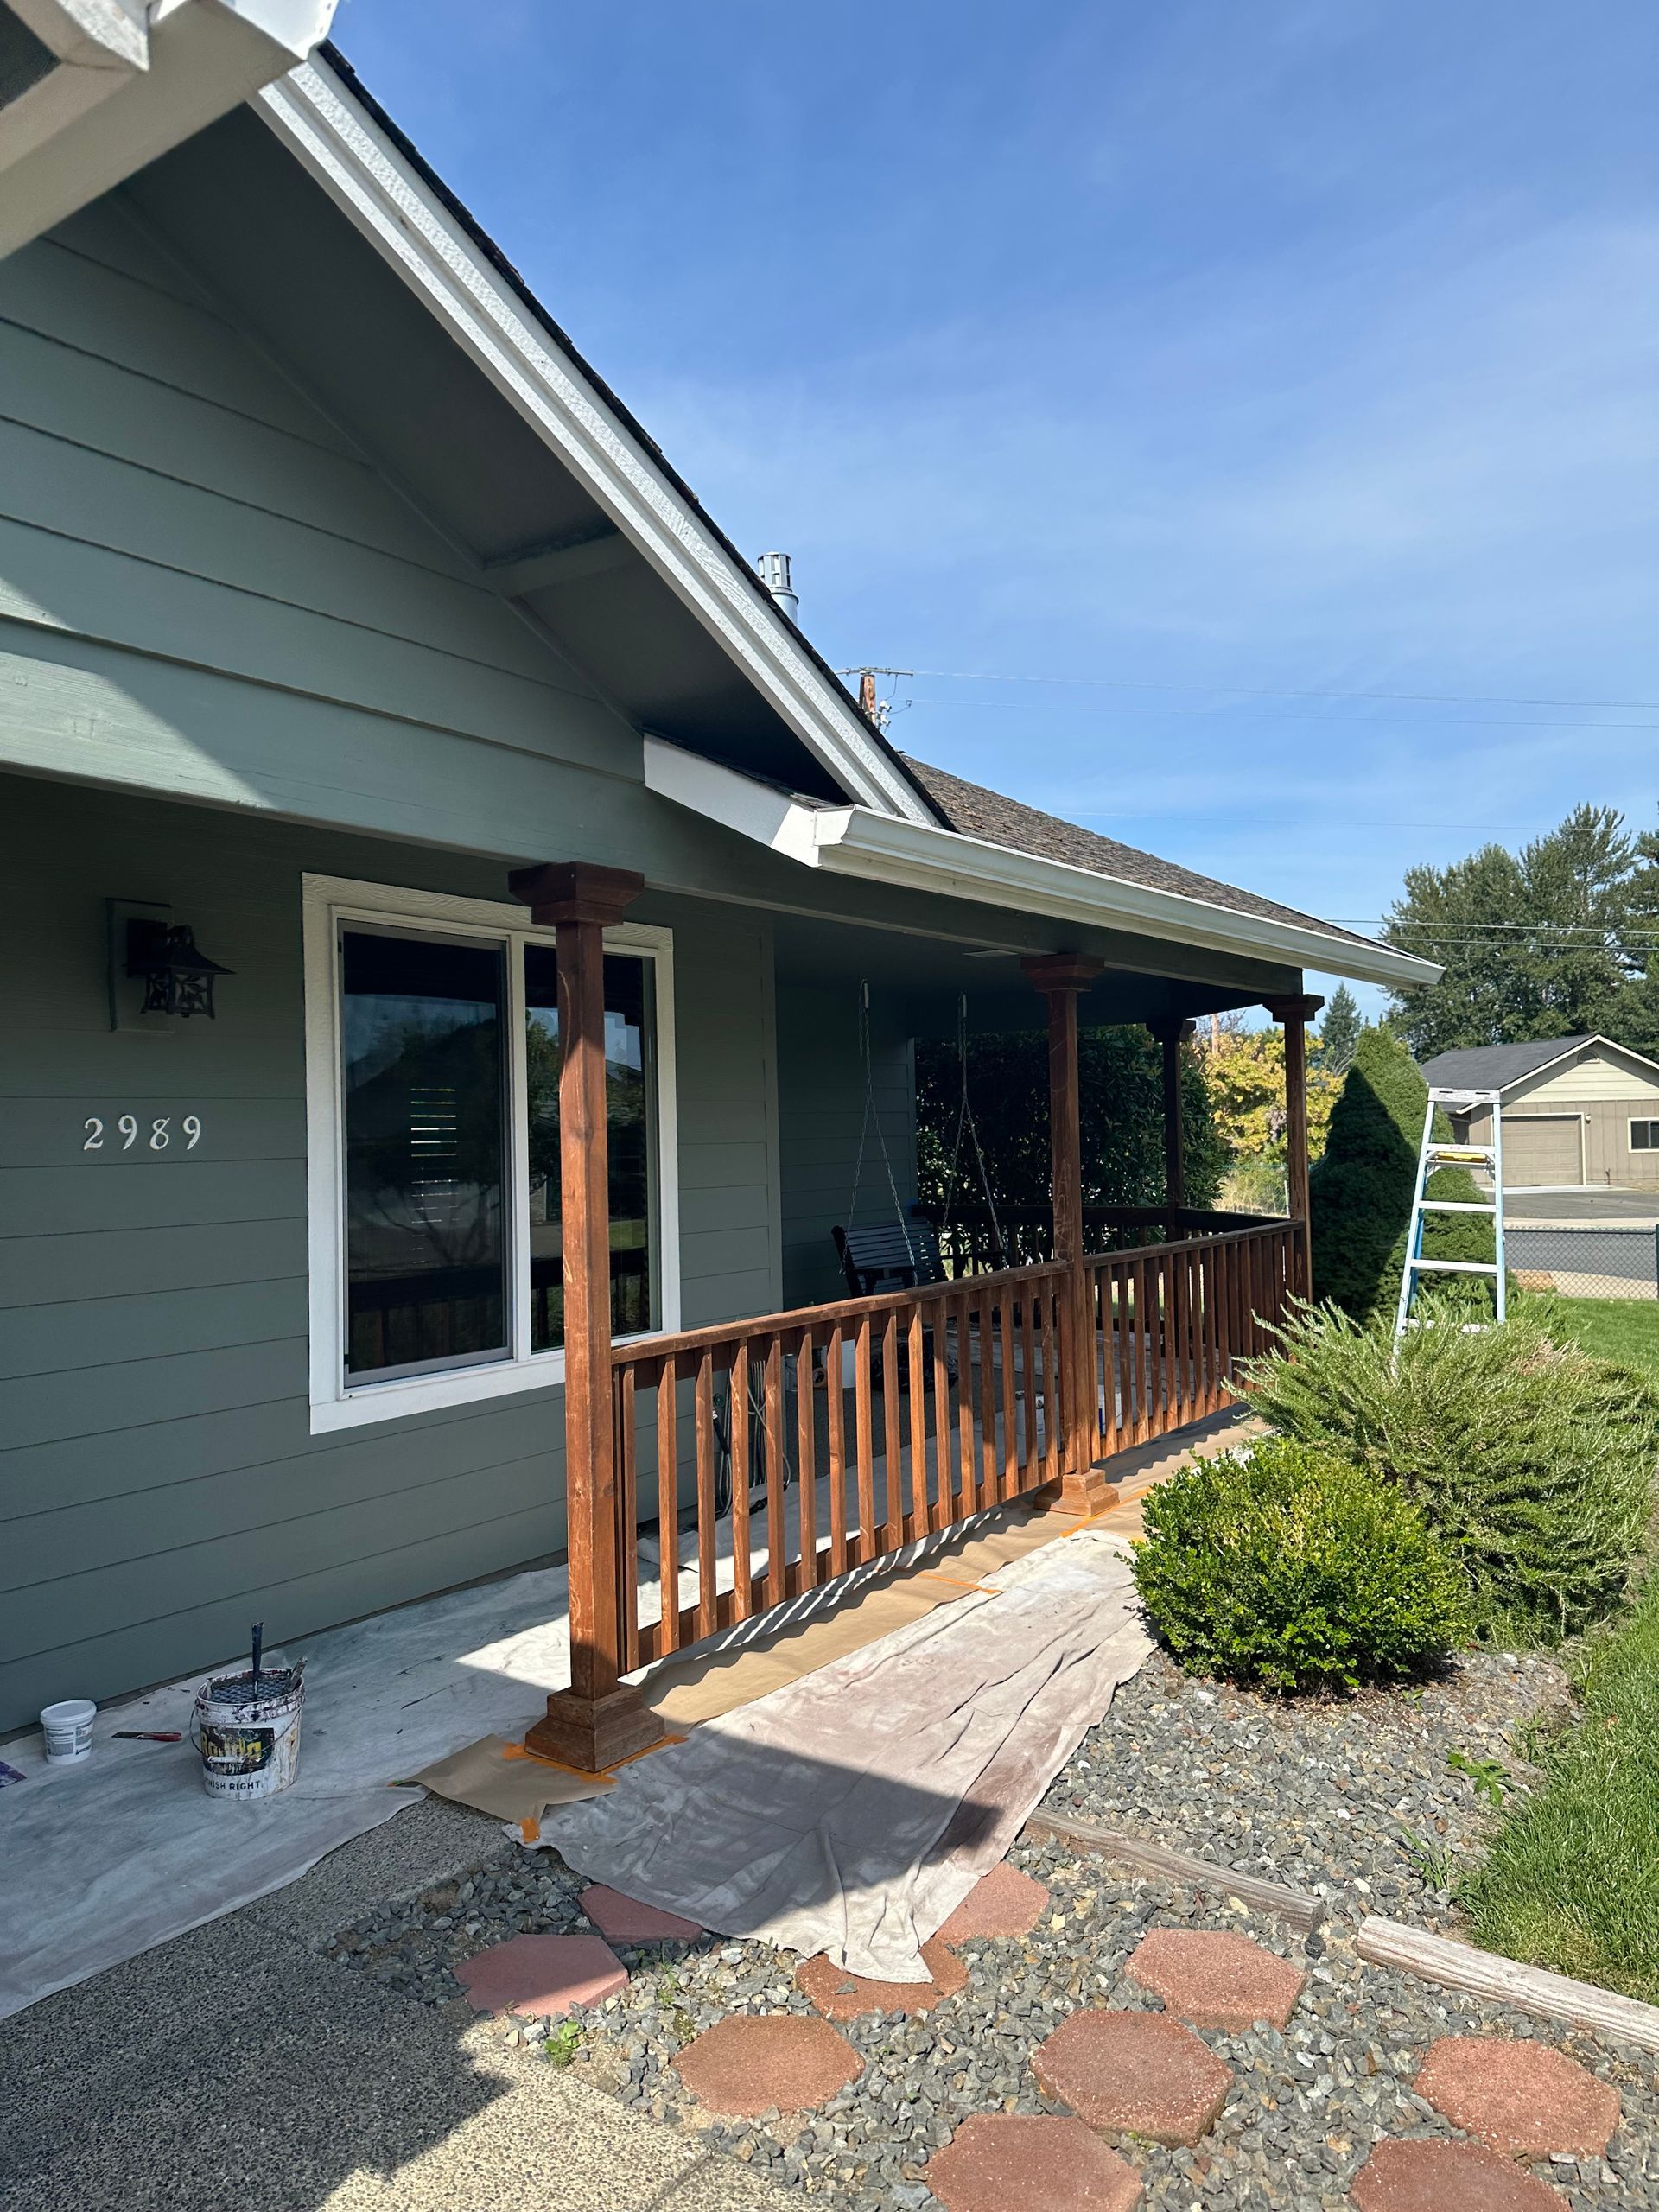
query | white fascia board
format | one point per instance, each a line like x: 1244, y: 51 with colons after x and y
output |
x: 854, y: 841
x: 390, y: 204
x: 118, y: 102
x: 1589, y: 1044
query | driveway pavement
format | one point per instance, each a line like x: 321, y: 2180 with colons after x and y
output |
x: 236, y: 2065
x: 1597, y: 1204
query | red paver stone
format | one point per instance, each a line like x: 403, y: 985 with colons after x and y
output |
x: 1005, y: 1902
x: 1423, y: 2177
x: 748, y: 2063
x: 626, y: 1920
x: 842, y: 1996
x: 542, y: 1973
x: 1216, y: 1979
x: 1133, y: 2074
x: 1525, y: 2098
x: 996, y: 2161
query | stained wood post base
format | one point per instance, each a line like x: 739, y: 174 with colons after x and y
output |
x: 1091, y: 1490
x: 592, y: 1734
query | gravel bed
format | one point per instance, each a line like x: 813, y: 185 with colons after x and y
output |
x: 1339, y: 1797
x: 1305, y: 2107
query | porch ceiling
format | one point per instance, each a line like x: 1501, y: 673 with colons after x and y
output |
x: 929, y: 976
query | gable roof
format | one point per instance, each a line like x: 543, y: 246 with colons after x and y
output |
x: 350, y: 146
x: 1499, y: 1067
x: 974, y: 811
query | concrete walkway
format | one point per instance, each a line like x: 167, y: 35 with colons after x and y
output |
x: 234, y: 2065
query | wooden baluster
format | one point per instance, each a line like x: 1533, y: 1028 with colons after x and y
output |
x: 704, y: 1413
x: 777, y: 1564
x: 916, y: 1374
x: 836, y: 1400
x: 985, y: 1478
x: 668, y: 1507
x: 966, y: 1453
x: 1028, y: 1333
x: 1008, y: 1479
x: 942, y: 1515
x: 864, y: 1431
x: 628, y: 1491
x: 737, y: 1415
x: 1054, y: 1381
x: 1207, y: 1333
x: 1174, y: 1335
x: 1227, y: 1257
x: 1192, y: 1308
x: 893, y: 1435
x: 806, y: 1461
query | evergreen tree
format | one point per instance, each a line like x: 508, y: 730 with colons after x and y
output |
x: 1360, y: 1193
x: 1555, y: 941
x: 1338, y: 1033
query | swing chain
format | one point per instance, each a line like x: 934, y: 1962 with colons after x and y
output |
x: 872, y: 1115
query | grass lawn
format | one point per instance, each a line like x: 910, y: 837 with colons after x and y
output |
x: 1571, y: 1880
x: 1625, y: 1329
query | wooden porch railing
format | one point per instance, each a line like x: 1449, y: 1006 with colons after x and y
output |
x: 775, y: 1454
x: 1175, y: 1321
x: 815, y: 1441
x: 973, y: 1242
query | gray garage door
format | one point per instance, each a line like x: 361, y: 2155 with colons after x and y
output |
x: 1541, y: 1149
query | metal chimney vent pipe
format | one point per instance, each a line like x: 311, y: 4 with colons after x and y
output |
x: 775, y: 574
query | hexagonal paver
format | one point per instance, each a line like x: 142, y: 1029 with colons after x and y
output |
x: 624, y: 1920
x: 746, y: 2064
x: 996, y: 2161
x: 1216, y: 1980
x: 541, y: 1974
x: 1005, y: 1902
x: 1133, y: 2074
x: 1527, y: 2098
x: 842, y: 1996
x: 1423, y: 2177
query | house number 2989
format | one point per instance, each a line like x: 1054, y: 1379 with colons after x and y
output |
x: 128, y: 1130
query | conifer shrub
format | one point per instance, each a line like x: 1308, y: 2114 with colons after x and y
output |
x: 1287, y: 1567
x: 1534, y: 1462
x: 1360, y: 1191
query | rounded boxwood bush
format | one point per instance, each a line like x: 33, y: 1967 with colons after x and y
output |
x: 1288, y: 1567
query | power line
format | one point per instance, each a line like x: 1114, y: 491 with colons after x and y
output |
x: 1249, y: 691
x: 1415, y: 721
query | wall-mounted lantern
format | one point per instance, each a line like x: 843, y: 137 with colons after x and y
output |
x: 178, y: 979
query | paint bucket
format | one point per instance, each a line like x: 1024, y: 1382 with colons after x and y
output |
x: 247, y: 1729
x: 67, y: 1729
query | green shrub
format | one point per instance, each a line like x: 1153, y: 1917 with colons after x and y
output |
x: 1360, y: 1191
x: 1533, y: 1461
x: 1288, y: 1567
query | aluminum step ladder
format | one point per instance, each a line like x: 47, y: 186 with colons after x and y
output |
x: 1431, y: 1155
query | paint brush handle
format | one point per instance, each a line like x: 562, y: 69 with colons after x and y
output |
x: 148, y: 1735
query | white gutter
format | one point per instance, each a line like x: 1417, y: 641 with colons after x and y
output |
x: 133, y: 79
x: 917, y: 856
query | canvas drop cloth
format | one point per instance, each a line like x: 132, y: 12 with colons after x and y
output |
x: 852, y: 1810
x: 103, y: 1859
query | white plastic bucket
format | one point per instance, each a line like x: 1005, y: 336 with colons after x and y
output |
x: 67, y: 1728
x: 250, y: 1746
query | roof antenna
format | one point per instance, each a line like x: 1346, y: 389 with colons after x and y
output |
x: 774, y: 575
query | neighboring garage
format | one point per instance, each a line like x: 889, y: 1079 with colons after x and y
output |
x: 1576, y: 1110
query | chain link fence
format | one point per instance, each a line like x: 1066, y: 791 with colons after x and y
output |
x: 1588, y: 1262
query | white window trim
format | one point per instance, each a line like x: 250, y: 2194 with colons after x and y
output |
x: 1647, y: 1121
x: 326, y: 901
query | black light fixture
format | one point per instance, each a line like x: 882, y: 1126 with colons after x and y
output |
x: 178, y: 979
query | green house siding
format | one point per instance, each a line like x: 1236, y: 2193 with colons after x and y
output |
x: 160, y: 1486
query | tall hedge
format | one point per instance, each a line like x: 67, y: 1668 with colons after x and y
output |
x: 1361, y: 1190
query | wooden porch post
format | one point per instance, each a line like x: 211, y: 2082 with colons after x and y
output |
x: 1172, y: 1034
x: 1294, y: 1012
x: 596, y: 1722
x: 1061, y: 976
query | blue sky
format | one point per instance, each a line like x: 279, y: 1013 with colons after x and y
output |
x: 1194, y: 358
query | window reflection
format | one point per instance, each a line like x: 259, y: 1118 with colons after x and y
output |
x: 629, y: 1085
x: 421, y: 1047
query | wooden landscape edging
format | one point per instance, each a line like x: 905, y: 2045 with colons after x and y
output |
x: 1294, y: 1907
x: 1530, y: 1989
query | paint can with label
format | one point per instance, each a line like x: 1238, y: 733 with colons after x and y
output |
x: 67, y: 1730
x: 247, y: 1729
